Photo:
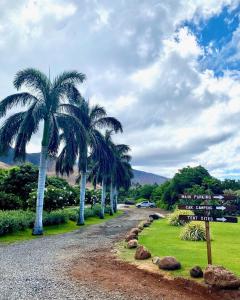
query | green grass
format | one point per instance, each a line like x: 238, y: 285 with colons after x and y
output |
x: 163, y: 240
x: 53, y: 229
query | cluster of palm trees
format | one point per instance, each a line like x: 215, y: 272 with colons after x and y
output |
x: 71, y: 126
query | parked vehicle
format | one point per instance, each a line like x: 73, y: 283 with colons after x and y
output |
x: 146, y: 204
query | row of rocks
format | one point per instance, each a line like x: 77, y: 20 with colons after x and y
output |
x: 132, y: 237
x: 216, y: 276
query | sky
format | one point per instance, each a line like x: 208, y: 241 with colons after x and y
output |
x: 168, y: 69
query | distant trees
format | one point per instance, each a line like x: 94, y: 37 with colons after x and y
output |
x: 191, y: 180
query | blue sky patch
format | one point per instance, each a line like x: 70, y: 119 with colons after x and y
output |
x: 216, y: 36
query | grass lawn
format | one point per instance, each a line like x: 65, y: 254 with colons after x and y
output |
x: 54, y: 229
x: 163, y: 240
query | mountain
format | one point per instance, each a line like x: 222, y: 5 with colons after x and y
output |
x: 140, y: 177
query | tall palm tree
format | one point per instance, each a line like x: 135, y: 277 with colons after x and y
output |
x: 120, y: 173
x: 101, y: 172
x: 43, y: 100
x: 92, y: 119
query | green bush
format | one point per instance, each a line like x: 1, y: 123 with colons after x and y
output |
x: 15, y: 220
x: 10, y: 201
x: 193, y: 231
x: 173, y: 218
x: 54, y: 198
x: 88, y: 212
x: 55, y: 217
x: 21, y: 180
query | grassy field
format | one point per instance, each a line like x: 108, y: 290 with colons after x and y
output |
x: 54, y: 229
x: 163, y: 240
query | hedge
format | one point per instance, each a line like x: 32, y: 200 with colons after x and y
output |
x: 17, y: 220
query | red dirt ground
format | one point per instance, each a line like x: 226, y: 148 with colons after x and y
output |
x: 110, y: 274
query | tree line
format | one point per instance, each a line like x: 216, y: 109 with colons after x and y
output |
x: 83, y: 134
x: 190, y: 180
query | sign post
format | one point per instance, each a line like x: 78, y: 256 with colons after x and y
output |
x: 207, y: 216
x: 208, y: 239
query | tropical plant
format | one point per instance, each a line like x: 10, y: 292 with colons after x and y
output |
x: 193, y: 231
x: 173, y: 218
x: 43, y: 101
x: 92, y: 119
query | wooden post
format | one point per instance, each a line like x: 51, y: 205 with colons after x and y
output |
x: 209, y: 251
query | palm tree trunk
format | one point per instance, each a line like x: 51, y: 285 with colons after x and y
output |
x: 103, y: 199
x: 82, y: 198
x: 111, y: 199
x: 38, y: 226
x: 115, y: 199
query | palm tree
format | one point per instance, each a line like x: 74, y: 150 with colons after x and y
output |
x: 92, y: 119
x: 43, y: 102
x: 121, y: 173
x: 103, y: 161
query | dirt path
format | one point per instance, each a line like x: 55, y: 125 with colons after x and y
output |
x: 82, y: 265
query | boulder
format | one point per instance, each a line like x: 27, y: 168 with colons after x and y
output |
x: 140, y: 226
x: 220, y: 277
x: 135, y: 231
x: 156, y: 260
x: 132, y: 244
x: 142, y: 253
x: 196, y: 272
x: 130, y: 237
x: 156, y: 216
x: 146, y: 224
x: 169, y: 263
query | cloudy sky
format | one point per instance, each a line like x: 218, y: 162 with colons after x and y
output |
x: 168, y: 69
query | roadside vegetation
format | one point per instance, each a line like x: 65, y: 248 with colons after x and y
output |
x: 190, y: 180
x: 85, y: 133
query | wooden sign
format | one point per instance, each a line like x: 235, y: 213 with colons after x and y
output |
x: 208, y: 197
x: 208, y: 219
x: 207, y: 214
x: 207, y: 207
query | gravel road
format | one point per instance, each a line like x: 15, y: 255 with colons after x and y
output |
x: 37, y: 269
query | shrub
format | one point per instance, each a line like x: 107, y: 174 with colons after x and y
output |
x: 54, y: 198
x: 173, y: 218
x: 10, y: 201
x: 55, y: 217
x: 193, y: 231
x: 21, y: 180
x: 15, y: 220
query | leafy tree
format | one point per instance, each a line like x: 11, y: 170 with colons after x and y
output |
x: 21, y: 180
x: 43, y: 105
x: 213, y: 184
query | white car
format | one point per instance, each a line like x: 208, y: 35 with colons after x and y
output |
x: 146, y: 204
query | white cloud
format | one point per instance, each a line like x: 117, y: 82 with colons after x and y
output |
x: 142, y: 64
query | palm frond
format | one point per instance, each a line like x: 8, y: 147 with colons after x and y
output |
x: 97, y: 112
x: 72, y: 77
x: 109, y: 122
x: 9, y: 131
x: 15, y: 99
x: 32, y: 78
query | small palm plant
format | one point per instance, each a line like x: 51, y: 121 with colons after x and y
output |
x: 43, y: 103
x: 92, y: 119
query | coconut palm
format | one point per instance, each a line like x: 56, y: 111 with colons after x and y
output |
x: 92, y: 119
x: 43, y: 99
